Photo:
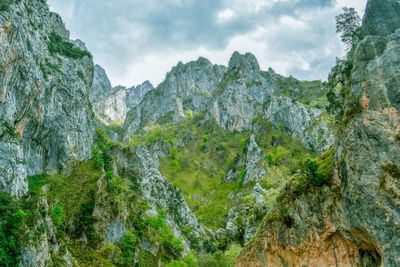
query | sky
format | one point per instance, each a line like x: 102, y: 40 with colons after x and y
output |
x: 138, y: 40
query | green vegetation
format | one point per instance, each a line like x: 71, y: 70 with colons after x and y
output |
x: 12, y: 217
x: 348, y: 25
x: 127, y: 246
x: 306, y: 92
x: 312, y: 173
x: 9, y: 130
x: 36, y: 182
x: 219, y: 258
x: 392, y: 170
x: 172, y: 246
x: 199, y: 167
x: 57, y: 45
x: 49, y: 69
x: 101, y: 150
x: 4, y: 4
x: 81, y: 75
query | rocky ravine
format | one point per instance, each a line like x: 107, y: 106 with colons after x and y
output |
x: 353, y: 221
x: 47, y: 126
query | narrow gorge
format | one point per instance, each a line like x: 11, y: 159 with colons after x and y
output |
x: 215, y: 166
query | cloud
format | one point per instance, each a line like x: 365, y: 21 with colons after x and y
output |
x: 136, y: 40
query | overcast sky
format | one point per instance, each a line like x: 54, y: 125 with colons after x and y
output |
x: 138, y: 40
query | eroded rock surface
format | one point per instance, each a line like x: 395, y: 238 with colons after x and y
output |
x: 232, y: 97
x: 45, y: 119
x: 354, y: 220
x: 111, y: 104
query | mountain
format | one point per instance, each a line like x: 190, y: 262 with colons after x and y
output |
x: 216, y: 166
x: 45, y: 120
x: 352, y: 220
x: 232, y: 96
x: 111, y: 104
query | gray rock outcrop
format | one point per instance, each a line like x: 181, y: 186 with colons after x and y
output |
x: 356, y: 216
x: 232, y: 97
x: 45, y: 119
x: 111, y: 104
x: 159, y: 192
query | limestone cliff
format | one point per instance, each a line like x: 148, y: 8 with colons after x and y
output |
x: 111, y: 104
x: 232, y: 96
x: 45, y: 119
x: 46, y: 136
x: 353, y: 219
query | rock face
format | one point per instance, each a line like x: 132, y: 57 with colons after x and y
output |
x: 353, y: 221
x: 45, y: 120
x: 188, y: 86
x: 255, y: 164
x: 381, y: 17
x: 135, y: 94
x: 232, y: 97
x: 159, y: 192
x: 111, y: 104
x: 101, y: 85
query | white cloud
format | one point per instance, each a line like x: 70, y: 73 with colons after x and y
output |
x: 225, y: 15
x: 142, y: 40
x: 292, y: 22
x: 359, y: 5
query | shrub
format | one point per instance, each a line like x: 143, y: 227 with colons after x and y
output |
x: 11, y: 219
x: 311, y: 171
x: 175, y: 263
x: 175, y: 164
x: 190, y: 258
x: 36, y: 182
x: 224, y: 146
x: 101, y: 152
x: 109, y: 175
x: 10, y: 129
x: 242, y: 175
x: 85, y: 220
x: 172, y: 245
x: 157, y: 222
x: 271, y: 159
x: 98, y: 160
x: 174, y: 152
x: 202, y: 146
x: 219, y: 258
x: 58, y: 216
x: 243, y: 142
x: 80, y: 75
x: 248, y: 200
x: 188, y: 114
x: 392, y: 170
x: 64, y: 48
x: 127, y: 247
x: 187, y: 230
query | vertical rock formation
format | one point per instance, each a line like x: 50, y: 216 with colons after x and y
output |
x: 45, y: 120
x: 111, y: 104
x: 232, y: 97
x: 353, y: 221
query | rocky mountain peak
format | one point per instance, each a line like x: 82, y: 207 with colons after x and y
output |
x: 382, y: 17
x: 101, y: 85
x: 135, y: 94
x: 79, y: 43
x: 246, y: 61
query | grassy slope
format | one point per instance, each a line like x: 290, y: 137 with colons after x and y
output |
x: 199, y: 167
